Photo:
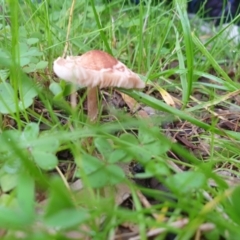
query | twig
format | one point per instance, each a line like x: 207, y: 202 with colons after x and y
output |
x: 178, y: 224
x: 146, y: 203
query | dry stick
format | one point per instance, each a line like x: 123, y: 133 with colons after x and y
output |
x: 73, y: 97
x: 146, y: 203
x: 178, y: 224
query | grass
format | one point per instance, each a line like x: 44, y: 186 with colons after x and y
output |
x: 189, y: 147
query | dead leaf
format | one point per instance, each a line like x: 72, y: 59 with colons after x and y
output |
x: 131, y: 103
x: 166, y: 96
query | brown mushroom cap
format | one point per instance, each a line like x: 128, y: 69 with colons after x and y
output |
x: 96, y: 68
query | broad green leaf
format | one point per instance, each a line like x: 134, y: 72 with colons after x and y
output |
x: 115, y: 174
x: 12, y: 218
x: 141, y: 154
x: 153, y: 141
x: 4, y: 74
x: 5, y: 59
x: 157, y: 148
x: 56, y: 89
x: 7, y: 103
x: 107, y: 175
x: 9, y: 138
x: 186, y: 182
x: 31, y: 41
x: 145, y: 135
x: 30, y: 132
x: 59, y: 198
x: 98, y: 174
x: 98, y: 178
x: 30, y: 68
x: 45, y: 144
x: 23, y: 48
x: 12, y: 164
x: 69, y: 88
x: 235, y: 204
x: 34, y: 61
x: 25, y: 104
x: 32, y: 51
x: 67, y: 218
x: 26, y: 194
x: 6, y: 200
x: 103, y: 146
x: 8, y: 181
x: 129, y: 138
x: 157, y: 168
x: 213, y: 234
x: 119, y: 155
x: 44, y: 160
x: 28, y: 89
x: 24, y: 61
x: 41, y: 65
x: 90, y: 164
x: 23, y: 32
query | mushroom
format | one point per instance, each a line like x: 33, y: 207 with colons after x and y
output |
x: 96, y: 69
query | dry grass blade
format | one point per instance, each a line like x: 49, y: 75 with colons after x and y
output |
x: 69, y: 28
x: 166, y: 96
x: 73, y: 96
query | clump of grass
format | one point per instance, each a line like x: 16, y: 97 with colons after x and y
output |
x: 187, y: 147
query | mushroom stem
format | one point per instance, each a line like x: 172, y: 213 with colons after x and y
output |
x: 92, y: 103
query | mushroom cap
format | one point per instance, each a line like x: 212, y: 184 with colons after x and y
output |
x: 96, y: 68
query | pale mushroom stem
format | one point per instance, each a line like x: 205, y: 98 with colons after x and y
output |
x: 92, y: 103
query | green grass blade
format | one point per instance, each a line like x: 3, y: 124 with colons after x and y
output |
x: 100, y: 28
x: 214, y: 63
x: 159, y: 105
x: 181, y: 9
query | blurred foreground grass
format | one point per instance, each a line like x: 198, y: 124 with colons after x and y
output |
x: 45, y: 145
